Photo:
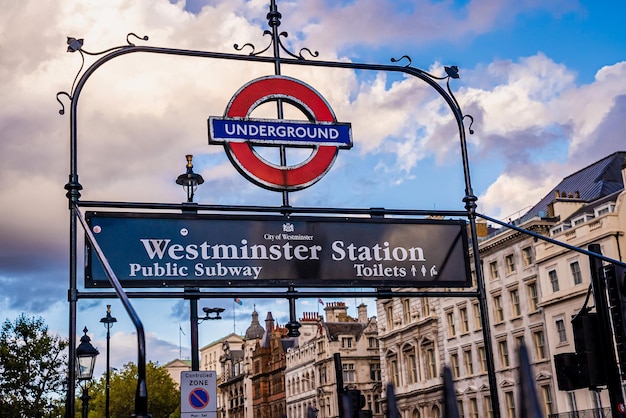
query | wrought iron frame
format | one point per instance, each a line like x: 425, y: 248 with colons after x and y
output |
x: 441, y: 84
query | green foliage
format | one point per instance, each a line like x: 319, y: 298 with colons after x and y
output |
x: 32, y: 368
x: 163, y: 393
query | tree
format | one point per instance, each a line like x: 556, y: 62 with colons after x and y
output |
x: 32, y: 368
x: 163, y: 393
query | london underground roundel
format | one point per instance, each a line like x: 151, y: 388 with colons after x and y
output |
x: 239, y: 133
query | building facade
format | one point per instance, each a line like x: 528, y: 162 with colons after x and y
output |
x: 533, y: 288
x: 311, y: 370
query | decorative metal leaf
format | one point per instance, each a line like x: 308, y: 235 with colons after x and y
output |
x: 452, y: 71
x: 74, y: 44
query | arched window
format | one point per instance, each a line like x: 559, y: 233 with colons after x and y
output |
x: 430, y: 359
x: 409, y: 357
x: 435, y: 412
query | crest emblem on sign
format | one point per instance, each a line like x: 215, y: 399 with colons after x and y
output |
x: 239, y: 133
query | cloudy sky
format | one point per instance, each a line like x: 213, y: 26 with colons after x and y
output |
x: 543, y: 81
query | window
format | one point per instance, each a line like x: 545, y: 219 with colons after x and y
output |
x: 601, y: 210
x: 559, y: 228
x: 375, y: 374
x: 533, y: 296
x: 393, y: 371
x: 469, y: 364
x: 406, y: 311
x: 487, y: 406
x: 499, y: 310
x: 451, y: 327
x: 510, y: 404
x: 411, y: 364
x: 477, y: 319
x: 540, y: 344
x: 459, y: 404
x: 482, y: 358
x: 547, y: 399
x: 582, y: 219
x: 464, y: 320
x: 346, y: 342
x: 425, y: 307
x: 493, y: 270
x: 372, y: 342
x: 576, y: 275
x: 515, y: 306
x: 389, y: 311
x: 431, y: 364
x: 554, y: 280
x: 503, y: 351
x: 510, y: 263
x: 454, y: 360
x: 527, y: 255
x: 473, y: 408
x: 348, y: 372
x: 560, y: 330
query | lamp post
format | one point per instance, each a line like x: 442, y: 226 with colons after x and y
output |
x: 209, y: 314
x: 85, y: 362
x: 189, y: 180
x: 108, y: 322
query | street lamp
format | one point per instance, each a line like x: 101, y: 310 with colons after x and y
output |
x: 190, y: 180
x: 209, y: 313
x: 108, y: 322
x: 85, y: 362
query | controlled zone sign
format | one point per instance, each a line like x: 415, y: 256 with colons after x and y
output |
x: 181, y: 250
x: 198, y: 394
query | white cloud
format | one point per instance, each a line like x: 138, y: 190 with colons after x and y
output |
x: 141, y: 113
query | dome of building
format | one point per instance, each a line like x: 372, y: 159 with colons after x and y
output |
x: 255, y: 330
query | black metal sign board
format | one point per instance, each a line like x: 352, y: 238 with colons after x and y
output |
x: 170, y: 250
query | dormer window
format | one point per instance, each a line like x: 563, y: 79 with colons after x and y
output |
x: 604, y: 209
x: 582, y: 219
x: 559, y: 228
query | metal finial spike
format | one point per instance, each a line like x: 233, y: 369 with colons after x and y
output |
x: 189, y: 157
x: 273, y: 17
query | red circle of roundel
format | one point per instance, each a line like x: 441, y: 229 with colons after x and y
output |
x: 251, y: 164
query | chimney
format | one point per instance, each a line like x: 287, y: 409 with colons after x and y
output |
x: 336, y: 312
x: 565, y: 204
x: 362, y: 309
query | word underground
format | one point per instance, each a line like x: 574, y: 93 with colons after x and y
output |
x: 160, y: 249
x: 281, y: 132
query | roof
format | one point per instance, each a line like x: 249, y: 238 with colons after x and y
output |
x: 344, y: 328
x: 600, y: 179
x: 177, y: 363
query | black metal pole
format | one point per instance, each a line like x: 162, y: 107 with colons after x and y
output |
x: 614, y: 383
x: 108, y: 381
x: 193, y: 322
x: 85, y: 402
x: 339, y: 379
x: 141, y: 394
x: 108, y: 322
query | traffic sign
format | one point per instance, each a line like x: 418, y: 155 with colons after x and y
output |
x: 238, y: 133
x: 198, y: 394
